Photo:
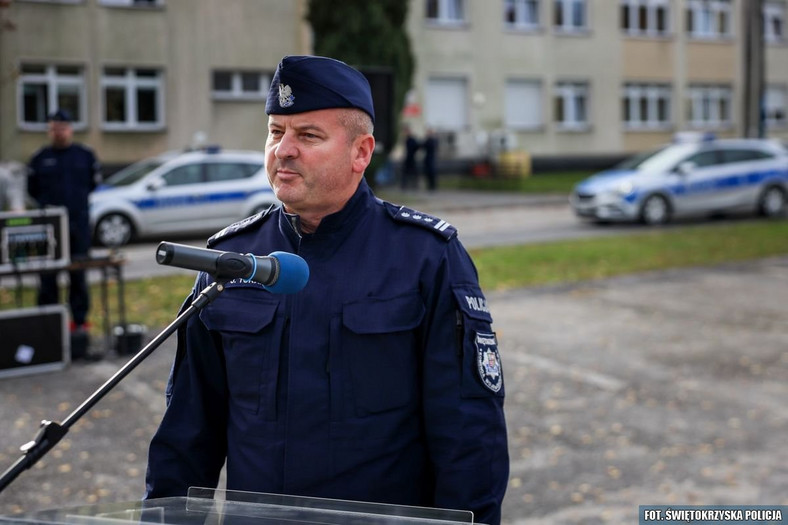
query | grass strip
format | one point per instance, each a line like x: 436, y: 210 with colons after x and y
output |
x: 570, y: 261
x: 155, y: 301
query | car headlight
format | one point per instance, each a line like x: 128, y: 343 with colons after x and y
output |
x: 625, y: 187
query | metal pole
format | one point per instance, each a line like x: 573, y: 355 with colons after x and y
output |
x: 754, y: 69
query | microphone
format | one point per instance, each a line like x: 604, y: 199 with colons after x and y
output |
x: 279, y: 272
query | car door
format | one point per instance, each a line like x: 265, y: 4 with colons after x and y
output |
x: 228, y: 186
x: 175, y: 199
x: 752, y: 166
x: 703, y: 182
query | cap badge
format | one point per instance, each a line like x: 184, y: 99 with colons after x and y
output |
x: 286, y: 97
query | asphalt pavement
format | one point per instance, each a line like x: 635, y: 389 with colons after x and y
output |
x: 658, y: 388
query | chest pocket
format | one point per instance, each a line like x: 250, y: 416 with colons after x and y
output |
x: 379, y: 343
x: 251, y: 334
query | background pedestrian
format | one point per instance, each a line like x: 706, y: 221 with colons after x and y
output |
x: 64, y: 173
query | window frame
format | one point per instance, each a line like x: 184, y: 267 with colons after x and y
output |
x: 512, y: 84
x: 564, y: 9
x: 570, y: 93
x: 630, y: 12
x: 131, y: 83
x: 632, y: 98
x: 448, y: 13
x: 236, y: 91
x: 52, y: 79
x: 773, y: 11
x: 712, y: 11
x: 521, y: 10
x: 773, y: 91
x: 461, y: 118
x: 708, y: 98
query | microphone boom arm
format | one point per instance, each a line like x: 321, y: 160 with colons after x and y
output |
x: 50, y: 433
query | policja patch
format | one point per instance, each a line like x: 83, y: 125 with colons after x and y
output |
x: 488, y: 361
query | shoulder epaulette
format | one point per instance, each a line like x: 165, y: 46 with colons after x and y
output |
x: 411, y: 216
x: 238, y: 227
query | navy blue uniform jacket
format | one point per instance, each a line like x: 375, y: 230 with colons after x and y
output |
x: 65, y: 177
x: 379, y: 381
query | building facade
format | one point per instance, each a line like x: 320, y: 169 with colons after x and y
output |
x: 142, y: 76
x: 554, y: 78
x: 589, y: 77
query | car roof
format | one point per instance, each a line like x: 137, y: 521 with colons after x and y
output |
x: 734, y: 142
x: 203, y: 154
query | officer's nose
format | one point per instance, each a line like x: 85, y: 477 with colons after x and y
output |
x: 287, y: 147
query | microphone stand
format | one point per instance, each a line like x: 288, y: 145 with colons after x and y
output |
x: 50, y: 433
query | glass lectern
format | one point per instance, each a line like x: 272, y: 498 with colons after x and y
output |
x: 219, y: 507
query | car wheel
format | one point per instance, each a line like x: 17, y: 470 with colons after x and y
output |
x: 655, y: 211
x: 773, y: 202
x: 114, y: 230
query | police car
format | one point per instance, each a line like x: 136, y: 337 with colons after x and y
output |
x: 180, y: 193
x: 691, y: 177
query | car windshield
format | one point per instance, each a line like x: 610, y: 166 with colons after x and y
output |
x: 133, y: 173
x: 661, y: 159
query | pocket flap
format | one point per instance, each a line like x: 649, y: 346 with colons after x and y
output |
x: 378, y: 316
x: 233, y: 313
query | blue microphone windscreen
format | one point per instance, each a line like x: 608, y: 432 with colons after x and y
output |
x: 293, y: 273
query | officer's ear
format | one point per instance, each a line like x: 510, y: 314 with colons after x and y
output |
x: 363, y: 146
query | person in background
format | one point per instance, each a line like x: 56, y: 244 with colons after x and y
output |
x: 430, y: 147
x: 64, y: 173
x: 410, y: 170
x: 381, y: 380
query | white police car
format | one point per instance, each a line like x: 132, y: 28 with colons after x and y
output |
x: 694, y: 177
x: 180, y: 193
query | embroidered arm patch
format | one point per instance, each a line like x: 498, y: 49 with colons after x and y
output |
x: 482, y: 373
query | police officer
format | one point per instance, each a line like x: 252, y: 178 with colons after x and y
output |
x: 64, y: 173
x: 381, y: 379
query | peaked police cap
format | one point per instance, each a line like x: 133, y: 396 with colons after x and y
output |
x: 308, y: 83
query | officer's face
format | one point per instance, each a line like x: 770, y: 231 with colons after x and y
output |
x: 60, y: 133
x: 313, y: 164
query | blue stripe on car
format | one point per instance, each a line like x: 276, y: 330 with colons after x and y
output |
x: 732, y: 181
x: 190, y: 200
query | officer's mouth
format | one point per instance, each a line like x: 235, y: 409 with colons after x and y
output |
x: 286, y: 175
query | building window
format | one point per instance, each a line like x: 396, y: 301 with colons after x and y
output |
x: 46, y: 88
x: 132, y: 3
x: 773, y: 21
x: 446, y: 104
x: 522, y: 104
x: 570, y: 15
x: 133, y: 99
x: 240, y: 85
x: 646, y: 106
x: 521, y: 14
x: 776, y: 104
x: 645, y: 17
x: 710, y: 106
x: 571, y: 105
x: 446, y: 12
x: 709, y: 18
